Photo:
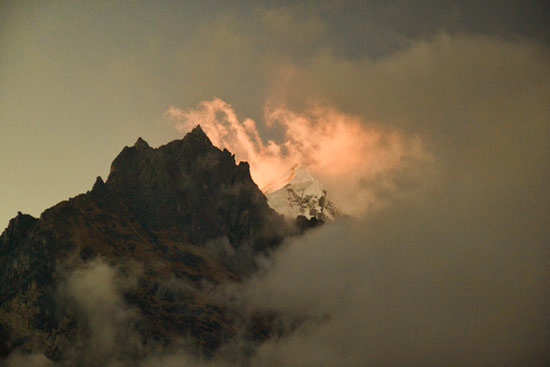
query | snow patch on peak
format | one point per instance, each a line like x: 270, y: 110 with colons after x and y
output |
x: 302, y: 194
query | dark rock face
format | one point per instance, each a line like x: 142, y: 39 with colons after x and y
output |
x: 16, y: 231
x: 158, y: 209
x: 192, y: 189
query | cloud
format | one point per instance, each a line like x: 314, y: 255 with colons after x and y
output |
x: 454, y: 273
x: 439, y: 100
x: 444, y: 85
x: 449, y: 131
x: 453, y: 269
x: 415, y: 285
x: 109, y: 336
x: 92, y: 295
x: 110, y: 332
x: 341, y: 149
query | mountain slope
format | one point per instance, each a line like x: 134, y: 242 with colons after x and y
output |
x: 156, y: 220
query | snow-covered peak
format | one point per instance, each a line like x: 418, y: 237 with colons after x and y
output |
x: 304, y: 195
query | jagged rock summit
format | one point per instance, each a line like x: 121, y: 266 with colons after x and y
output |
x: 140, y: 143
x: 160, y: 210
x: 190, y: 188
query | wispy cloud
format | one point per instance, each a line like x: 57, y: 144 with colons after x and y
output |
x: 341, y: 149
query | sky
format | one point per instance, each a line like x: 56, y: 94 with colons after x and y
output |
x: 428, y: 121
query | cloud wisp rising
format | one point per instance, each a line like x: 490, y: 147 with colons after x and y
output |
x: 342, y: 150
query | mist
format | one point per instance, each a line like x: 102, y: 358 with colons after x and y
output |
x: 448, y: 262
x: 453, y: 268
x: 423, y: 284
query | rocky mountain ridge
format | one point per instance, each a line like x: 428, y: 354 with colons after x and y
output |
x: 159, y: 219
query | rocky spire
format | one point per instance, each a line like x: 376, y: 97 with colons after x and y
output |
x: 198, y: 137
x: 140, y: 143
x: 99, y: 185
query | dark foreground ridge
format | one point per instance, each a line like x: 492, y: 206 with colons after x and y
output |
x: 162, y: 217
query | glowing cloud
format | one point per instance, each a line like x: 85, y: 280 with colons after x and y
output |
x: 352, y: 158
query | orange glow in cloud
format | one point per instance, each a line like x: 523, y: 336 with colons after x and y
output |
x: 343, y: 151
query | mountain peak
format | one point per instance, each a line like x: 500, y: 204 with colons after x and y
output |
x: 197, y: 138
x: 176, y: 187
x: 140, y: 143
x: 198, y: 132
x: 99, y: 185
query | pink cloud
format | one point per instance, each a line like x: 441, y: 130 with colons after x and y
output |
x: 342, y: 150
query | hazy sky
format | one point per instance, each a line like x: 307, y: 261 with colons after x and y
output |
x: 80, y: 80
